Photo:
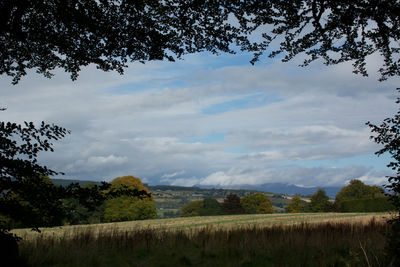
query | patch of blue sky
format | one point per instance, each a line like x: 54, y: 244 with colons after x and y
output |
x: 371, y: 160
x: 210, y: 138
x: 245, y: 102
x: 178, y: 74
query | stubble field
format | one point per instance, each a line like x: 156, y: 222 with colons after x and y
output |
x: 319, y: 239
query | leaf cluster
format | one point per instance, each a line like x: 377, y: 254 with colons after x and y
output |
x: 335, y: 31
x: 388, y: 135
x: 44, y: 35
x: 26, y: 193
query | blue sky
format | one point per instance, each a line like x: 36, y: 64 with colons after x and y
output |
x: 212, y: 120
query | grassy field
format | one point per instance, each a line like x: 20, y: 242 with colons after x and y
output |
x: 320, y: 239
x: 217, y: 222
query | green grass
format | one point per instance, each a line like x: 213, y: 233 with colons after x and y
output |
x: 324, y: 239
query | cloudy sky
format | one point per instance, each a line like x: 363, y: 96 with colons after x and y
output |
x: 211, y: 120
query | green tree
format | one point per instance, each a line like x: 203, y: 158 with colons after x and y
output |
x: 232, y: 205
x: 295, y: 205
x: 357, y: 190
x: 194, y: 208
x: 84, y: 205
x: 35, y: 202
x: 256, y: 203
x: 126, y: 208
x: 28, y: 195
x: 129, y: 200
x: 319, y: 201
x: 211, y: 207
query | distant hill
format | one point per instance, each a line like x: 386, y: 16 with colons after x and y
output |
x: 277, y: 188
x: 288, y: 189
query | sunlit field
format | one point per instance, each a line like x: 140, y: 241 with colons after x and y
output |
x: 319, y: 239
x: 217, y: 222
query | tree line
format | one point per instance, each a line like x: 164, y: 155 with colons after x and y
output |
x: 233, y: 204
x: 355, y: 197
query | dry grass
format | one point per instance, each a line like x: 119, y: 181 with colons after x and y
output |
x: 217, y: 222
x: 244, y: 240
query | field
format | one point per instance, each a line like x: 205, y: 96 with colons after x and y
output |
x: 217, y: 222
x: 324, y: 239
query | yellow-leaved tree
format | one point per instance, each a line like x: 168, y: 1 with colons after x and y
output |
x: 134, y: 201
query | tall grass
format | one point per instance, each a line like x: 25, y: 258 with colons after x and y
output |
x: 304, y: 244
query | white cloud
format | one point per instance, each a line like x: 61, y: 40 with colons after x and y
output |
x: 109, y: 160
x: 140, y: 123
x: 171, y: 175
x: 291, y: 174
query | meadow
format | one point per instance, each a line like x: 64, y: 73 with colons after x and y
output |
x: 318, y: 239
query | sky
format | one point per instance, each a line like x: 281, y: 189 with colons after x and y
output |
x: 212, y: 121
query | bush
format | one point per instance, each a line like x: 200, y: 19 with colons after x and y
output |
x: 366, y: 205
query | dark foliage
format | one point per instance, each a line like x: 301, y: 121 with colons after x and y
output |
x: 319, y: 201
x: 232, y: 205
x: 335, y: 31
x: 25, y: 195
x: 388, y: 135
x: 69, y: 34
x: 28, y: 198
x: 44, y: 35
x: 211, y: 207
x: 380, y: 204
x: 359, y: 194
